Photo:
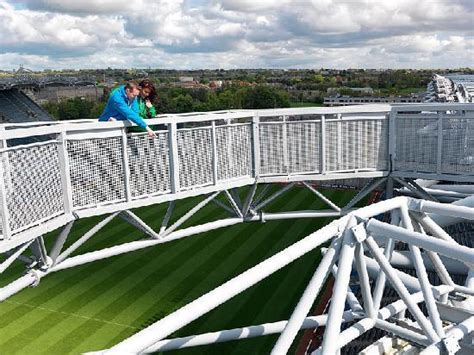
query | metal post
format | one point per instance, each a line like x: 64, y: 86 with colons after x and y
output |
x: 339, y: 141
x: 439, y: 156
x: 387, y: 312
x: 214, y: 152
x: 256, y: 145
x: 284, y: 135
x: 4, y: 213
x: 126, y: 166
x: 65, y: 173
x: 173, y: 156
x: 323, y: 144
x: 392, y: 139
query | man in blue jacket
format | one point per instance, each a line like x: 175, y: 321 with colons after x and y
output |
x: 123, y: 105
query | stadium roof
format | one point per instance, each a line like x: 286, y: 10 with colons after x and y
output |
x: 451, y: 88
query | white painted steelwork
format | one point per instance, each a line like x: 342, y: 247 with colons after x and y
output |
x: 85, y: 168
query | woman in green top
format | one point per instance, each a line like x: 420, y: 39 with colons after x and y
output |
x: 145, y: 99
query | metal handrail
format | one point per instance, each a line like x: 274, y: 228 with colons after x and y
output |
x: 329, y: 153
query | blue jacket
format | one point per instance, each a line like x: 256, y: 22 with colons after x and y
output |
x: 121, y: 108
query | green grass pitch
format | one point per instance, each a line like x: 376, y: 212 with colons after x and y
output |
x: 94, y: 306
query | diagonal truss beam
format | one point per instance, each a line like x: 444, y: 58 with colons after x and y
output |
x: 5, y: 264
x: 166, y: 218
x: 233, y: 203
x: 85, y: 237
x: 322, y: 197
x: 368, y: 188
x: 189, y: 214
x: 138, y: 223
x: 310, y: 294
x: 274, y: 196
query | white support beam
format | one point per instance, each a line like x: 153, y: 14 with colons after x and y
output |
x: 159, y: 330
x: 239, y: 333
x: 310, y: 294
x: 85, y: 238
x: 338, y: 299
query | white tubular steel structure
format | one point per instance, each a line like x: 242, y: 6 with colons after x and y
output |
x: 53, y: 173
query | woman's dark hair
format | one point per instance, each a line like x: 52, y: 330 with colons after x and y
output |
x: 146, y: 83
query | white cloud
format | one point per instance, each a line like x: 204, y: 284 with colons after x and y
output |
x: 238, y: 33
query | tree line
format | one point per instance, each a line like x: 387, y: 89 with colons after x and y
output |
x: 181, y: 100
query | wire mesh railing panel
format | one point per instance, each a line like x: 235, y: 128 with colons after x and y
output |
x: 356, y: 144
x: 149, y: 166
x: 351, y: 136
x: 375, y: 144
x: 234, y: 151
x: 195, y: 157
x: 333, y: 145
x: 96, y: 170
x: 272, y: 160
x: 304, y: 147
x: 457, y: 154
x: 32, y: 185
x: 416, y: 144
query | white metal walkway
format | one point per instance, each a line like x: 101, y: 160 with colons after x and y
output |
x: 85, y: 168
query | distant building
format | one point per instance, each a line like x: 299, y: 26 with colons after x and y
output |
x: 216, y: 84
x: 350, y: 100
x: 58, y: 93
x: 186, y: 79
x: 365, y: 90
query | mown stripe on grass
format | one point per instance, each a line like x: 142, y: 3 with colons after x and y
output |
x: 245, y: 305
x: 101, y: 285
x: 247, y: 243
x: 250, y: 307
x: 123, y: 297
x: 52, y: 287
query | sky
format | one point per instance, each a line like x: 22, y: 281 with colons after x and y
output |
x: 230, y: 34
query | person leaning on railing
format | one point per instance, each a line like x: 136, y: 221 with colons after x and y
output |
x: 145, y: 99
x: 123, y: 105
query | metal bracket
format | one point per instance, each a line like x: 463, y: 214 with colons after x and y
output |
x: 451, y: 345
x: 35, y: 274
x: 359, y: 232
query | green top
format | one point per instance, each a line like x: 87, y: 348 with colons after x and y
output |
x: 144, y: 111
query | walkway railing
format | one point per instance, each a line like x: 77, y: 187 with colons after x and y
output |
x: 84, y: 168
